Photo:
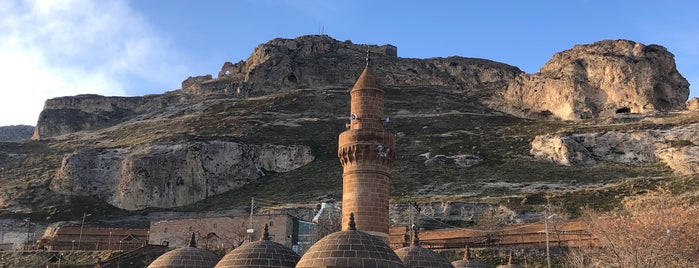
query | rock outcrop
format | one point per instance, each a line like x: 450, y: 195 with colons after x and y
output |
x: 89, y: 112
x: 318, y: 61
x: 586, y: 81
x: 16, y: 133
x: 600, y: 79
x: 677, y: 147
x: 171, y: 175
x: 315, y: 61
x: 693, y: 104
x: 460, y: 160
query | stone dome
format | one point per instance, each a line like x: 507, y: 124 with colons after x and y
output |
x: 260, y: 254
x: 189, y: 257
x: 415, y: 256
x: 350, y: 249
x: 467, y: 262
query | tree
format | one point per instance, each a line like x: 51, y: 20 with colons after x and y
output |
x: 656, y: 229
x: 491, y: 222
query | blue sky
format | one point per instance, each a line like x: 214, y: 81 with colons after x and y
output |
x: 52, y: 48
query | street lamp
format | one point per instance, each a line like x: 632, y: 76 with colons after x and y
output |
x: 546, y: 226
x: 80, y: 238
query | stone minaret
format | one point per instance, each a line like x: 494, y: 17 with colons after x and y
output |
x: 366, y: 152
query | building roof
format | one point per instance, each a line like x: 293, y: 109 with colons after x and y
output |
x: 259, y: 254
x: 189, y: 257
x: 467, y: 262
x: 350, y: 249
x: 415, y: 256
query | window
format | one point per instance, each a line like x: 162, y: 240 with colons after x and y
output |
x: 165, y: 231
x: 214, y: 226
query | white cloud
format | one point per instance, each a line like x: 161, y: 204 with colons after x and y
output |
x: 53, y: 48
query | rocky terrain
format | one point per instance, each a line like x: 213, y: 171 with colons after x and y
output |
x: 16, y: 133
x: 677, y: 147
x: 267, y: 127
x: 600, y: 79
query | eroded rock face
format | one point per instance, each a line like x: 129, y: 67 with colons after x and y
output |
x: 171, y: 175
x: 89, y: 112
x: 677, y: 147
x: 16, y: 133
x: 693, y: 104
x: 318, y: 61
x: 315, y: 61
x: 599, y: 79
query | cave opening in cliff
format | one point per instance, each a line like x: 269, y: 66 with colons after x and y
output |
x: 623, y: 110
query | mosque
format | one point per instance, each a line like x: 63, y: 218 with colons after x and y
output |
x: 366, y: 152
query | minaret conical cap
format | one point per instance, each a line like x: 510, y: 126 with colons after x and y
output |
x: 367, y: 80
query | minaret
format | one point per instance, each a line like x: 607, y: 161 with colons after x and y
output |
x: 366, y: 152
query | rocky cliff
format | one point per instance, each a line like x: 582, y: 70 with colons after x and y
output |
x: 203, y: 147
x: 321, y: 61
x: 600, y: 79
x: 66, y: 115
x: 16, y: 133
x: 171, y: 175
x: 678, y: 147
x: 586, y: 81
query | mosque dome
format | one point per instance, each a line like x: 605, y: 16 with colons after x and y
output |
x: 350, y: 249
x: 260, y: 254
x: 415, y: 256
x: 189, y: 257
x: 467, y: 262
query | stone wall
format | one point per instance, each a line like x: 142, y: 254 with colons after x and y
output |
x: 230, y: 231
x: 71, y: 237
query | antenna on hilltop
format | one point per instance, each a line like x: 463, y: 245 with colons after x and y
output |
x: 321, y: 29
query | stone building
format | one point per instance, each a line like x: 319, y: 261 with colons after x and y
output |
x: 67, y: 237
x: 225, y: 232
x: 366, y: 152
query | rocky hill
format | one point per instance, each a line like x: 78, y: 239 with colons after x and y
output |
x: 268, y: 127
x: 16, y: 133
x: 600, y: 79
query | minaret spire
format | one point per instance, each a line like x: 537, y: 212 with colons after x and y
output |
x: 368, y: 59
x: 366, y: 152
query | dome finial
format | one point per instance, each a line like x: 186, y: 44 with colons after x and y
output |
x: 265, y: 234
x: 509, y: 262
x: 416, y: 238
x: 467, y: 253
x: 193, y: 242
x: 352, y: 225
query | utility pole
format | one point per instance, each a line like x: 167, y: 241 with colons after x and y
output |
x: 80, y: 238
x: 546, y: 227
